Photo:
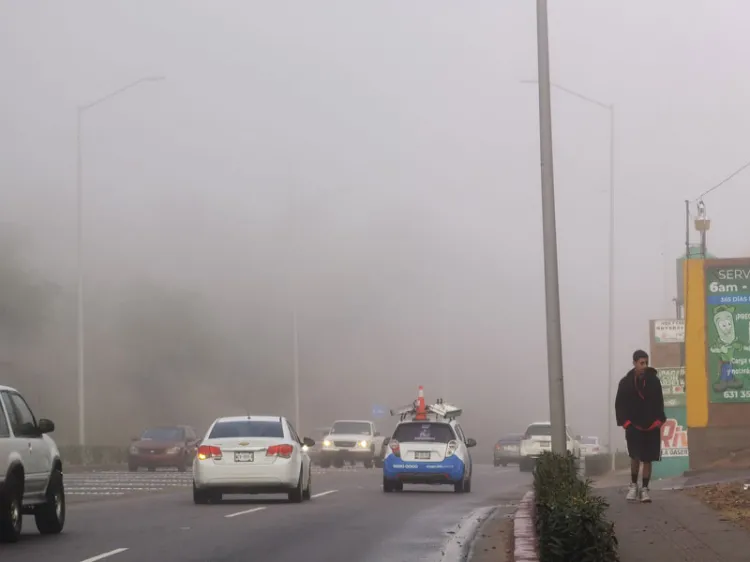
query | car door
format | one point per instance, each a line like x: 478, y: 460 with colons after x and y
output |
x: 304, y: 457
x: 7, y: 442
x: 464, y: 449
x: 35, y: 455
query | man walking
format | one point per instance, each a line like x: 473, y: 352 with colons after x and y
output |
x: 639, y: 408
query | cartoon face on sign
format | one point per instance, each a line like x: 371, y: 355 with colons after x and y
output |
x: 725, y: 346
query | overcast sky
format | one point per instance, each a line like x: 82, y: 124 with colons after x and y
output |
x: 395, y: 145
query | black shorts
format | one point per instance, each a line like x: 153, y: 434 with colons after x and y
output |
x: 644, y: 446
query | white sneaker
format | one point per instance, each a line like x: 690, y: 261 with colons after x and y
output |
x: 645, y: 497
x: 632, y: 493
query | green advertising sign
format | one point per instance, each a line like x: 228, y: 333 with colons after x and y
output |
x: 728, y: 332
x: 674, y: 445
x: 672, y: 386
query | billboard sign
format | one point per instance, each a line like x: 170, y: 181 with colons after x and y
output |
x: 669, y: 331
x: 728, y: 332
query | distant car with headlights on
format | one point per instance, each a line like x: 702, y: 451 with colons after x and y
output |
x: 508, y: 450
x: 351, y: 441
x: 171, y: 446
x: 252, y: 455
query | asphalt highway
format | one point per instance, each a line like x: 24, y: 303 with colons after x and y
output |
x: 349, y: 519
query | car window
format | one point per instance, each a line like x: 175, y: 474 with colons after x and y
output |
x: 164, y: 434
x: 22, y: 419
x: 247, y: 428
x: 460, y: 433
x: 293, y: 433
x: 539, y: 430
x: 356, y: 428
x: 424, y: 432
x: 4, y: 428
x: 589, y: 441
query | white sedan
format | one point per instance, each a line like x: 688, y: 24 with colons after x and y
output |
x: 252, y: 455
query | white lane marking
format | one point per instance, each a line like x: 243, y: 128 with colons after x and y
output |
x: 244, y: 512
x: 321, y: 494
x: 105, y: 555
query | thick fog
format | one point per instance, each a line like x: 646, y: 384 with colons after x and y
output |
x: 373, y: 167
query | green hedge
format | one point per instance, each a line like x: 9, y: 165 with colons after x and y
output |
x: 571, y: 521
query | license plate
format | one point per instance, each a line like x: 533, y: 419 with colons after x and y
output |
x: 244, y: 457
x: 422, y: 455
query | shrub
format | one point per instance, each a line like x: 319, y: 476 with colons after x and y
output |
x: 571, y: 521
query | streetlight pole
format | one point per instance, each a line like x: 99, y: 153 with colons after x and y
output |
x: 79, y: 244
x: 611, y: 284
x: 551, y: 281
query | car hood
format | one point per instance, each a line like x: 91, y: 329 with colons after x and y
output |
x: 151, y: 444
x: 348, y: 437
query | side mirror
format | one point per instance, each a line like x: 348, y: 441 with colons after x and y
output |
x: 578, y: 437
x: 376, y: 434
x: 45, y: 426
x: 386, y: 441
x: 307, y: 441
x: 471, y: 442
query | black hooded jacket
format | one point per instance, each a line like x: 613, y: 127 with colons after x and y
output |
x: 640, y: 403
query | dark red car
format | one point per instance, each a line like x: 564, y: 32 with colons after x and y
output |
x: 163, y: 447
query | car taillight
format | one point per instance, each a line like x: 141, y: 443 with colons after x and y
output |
x: 284, y: 451
x: 209, y: 452
x: 596, y: 449
x: 498, y: 447
x: 395, y: 447
x: 451, y: 448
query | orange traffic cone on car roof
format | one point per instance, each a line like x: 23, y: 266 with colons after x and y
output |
x: 421, y: 409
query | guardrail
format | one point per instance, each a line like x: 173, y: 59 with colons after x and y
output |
x: 598, y: 465
x: 93, y: 455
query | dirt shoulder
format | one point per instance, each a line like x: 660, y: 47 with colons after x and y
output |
x: 494, y: 542
x: 730, y: 499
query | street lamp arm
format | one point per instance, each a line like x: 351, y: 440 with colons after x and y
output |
x: 119, y: 91
x: 575, y: 94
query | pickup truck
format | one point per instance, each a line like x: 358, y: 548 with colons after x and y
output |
x: 352, y: 441
x: 31, y: 477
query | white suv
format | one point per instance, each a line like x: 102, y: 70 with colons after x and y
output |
x: 31, y: 477
x: 538, y: 439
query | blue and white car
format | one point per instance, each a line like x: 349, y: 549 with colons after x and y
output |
x: 433, y: 451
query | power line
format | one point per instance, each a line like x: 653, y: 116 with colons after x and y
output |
x: 722, y: 182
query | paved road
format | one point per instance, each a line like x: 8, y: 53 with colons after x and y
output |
x: 88, y: 486
x: 350, y: 518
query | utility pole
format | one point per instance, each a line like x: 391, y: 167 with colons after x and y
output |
x: 551, y: 281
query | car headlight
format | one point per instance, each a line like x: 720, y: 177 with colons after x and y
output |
x: 363, y: 444
x: 133, y: 450
x: 305, y: 448
x: 173, y: 450
x: 327, y: 443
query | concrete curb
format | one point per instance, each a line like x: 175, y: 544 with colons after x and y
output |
x: 524, y: 531
x: 461, y: 544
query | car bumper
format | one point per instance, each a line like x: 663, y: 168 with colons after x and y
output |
x: 505, y: 458
x: 160, y: 460
x: 346, y: 454
x: 447, y: 471
x: 270, y: 478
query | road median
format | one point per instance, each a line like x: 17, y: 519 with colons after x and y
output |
x: 562, y: 519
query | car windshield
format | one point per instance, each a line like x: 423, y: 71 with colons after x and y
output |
x: 163, y: 434
x: 539, y: 430
x: 247, y: 428
x: 514, y: 440
x: 589, y: 441
x: 355, y: 428
x: 431, y: 432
